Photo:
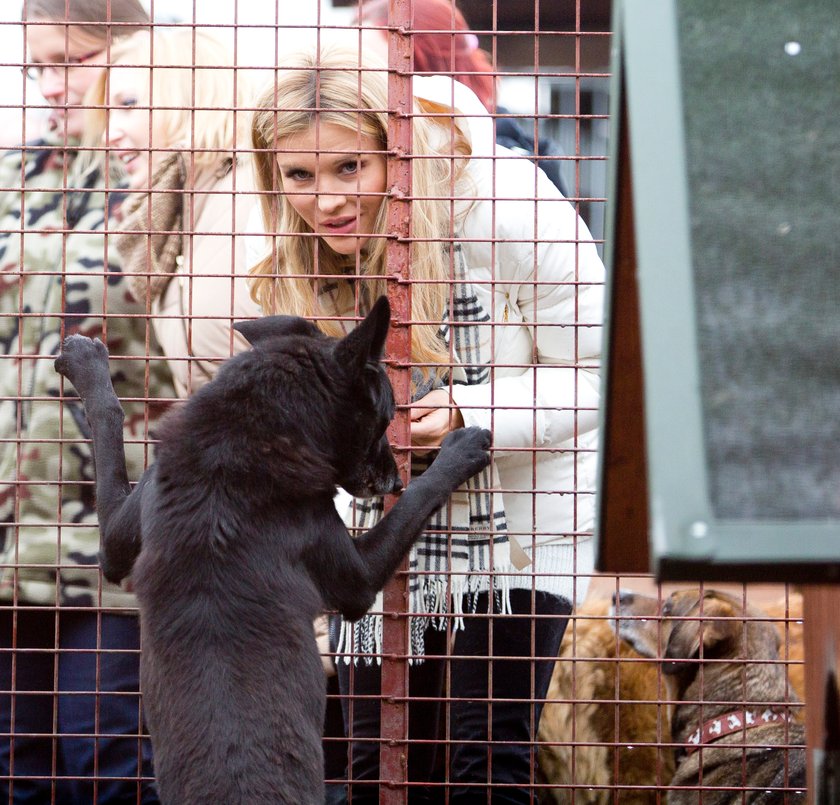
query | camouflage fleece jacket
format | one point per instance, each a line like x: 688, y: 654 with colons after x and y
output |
x: 54, y: 281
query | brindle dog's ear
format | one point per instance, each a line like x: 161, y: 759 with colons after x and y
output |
x: 366, y: 343
x: 706, y: 625
x: 256, y: 330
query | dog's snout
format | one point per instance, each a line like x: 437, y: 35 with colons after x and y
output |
x: 389, y: 483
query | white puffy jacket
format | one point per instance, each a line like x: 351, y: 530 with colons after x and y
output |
x: 537, y: 272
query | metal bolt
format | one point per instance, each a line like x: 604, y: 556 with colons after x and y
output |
x: 699, y: 530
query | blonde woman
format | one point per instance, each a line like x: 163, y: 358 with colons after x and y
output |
x: 506, y: 310
x: 174, y: 131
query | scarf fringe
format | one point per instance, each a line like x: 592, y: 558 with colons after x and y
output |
x: 432, y: 602
x: 454, y: 559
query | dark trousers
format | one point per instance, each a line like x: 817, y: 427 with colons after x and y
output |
x: 70, y: 720
x: 495, y: 690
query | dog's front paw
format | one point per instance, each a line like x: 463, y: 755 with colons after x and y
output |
x: 464, y: 452
x: 84, y: 362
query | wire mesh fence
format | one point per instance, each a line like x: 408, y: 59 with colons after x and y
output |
x: 173, y: 171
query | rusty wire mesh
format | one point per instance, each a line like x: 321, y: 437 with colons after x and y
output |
x: 605, y: 734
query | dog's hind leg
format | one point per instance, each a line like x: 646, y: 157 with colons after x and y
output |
x: 84, y: 362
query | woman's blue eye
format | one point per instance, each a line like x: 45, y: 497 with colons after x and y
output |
x: 351, y: 166
x: 297, y: 175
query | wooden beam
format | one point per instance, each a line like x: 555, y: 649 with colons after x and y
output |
x: 821, y: 606
x: 623, y: 530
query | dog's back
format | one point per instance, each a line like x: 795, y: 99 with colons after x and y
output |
x: 226, y: 605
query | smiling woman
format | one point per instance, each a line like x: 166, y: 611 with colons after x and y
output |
x: 171, y: 128
x: 190, y: 98
x: 128, y: 133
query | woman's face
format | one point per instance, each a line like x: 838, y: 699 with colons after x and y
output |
x: 66, y: 63
x: 334, y: 183
x: 128, y: 133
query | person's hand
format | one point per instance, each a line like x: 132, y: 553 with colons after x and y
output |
x: 432, y: 417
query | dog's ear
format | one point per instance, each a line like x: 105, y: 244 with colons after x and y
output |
x: 707, y: 626
x: 366, y: 342
x: 256, y: 330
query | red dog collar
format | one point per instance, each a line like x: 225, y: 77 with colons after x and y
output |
x: 726, y: 724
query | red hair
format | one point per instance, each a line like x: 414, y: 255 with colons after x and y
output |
x: 454, y: 52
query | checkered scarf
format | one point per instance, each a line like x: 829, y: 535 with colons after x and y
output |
x: 454, y: 558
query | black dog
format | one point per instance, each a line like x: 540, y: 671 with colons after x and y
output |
x: 233, y: 546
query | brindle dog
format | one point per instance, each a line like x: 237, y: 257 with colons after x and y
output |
x: 729, y: 719
x: 233, y: 546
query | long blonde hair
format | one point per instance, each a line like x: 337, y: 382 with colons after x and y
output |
x: 194, y: 89
x: 331, y: 88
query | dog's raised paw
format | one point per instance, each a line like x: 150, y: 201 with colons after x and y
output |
x: 466, y: 451
x: 81, y: 360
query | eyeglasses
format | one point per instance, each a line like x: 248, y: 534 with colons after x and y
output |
x: 36, y: 71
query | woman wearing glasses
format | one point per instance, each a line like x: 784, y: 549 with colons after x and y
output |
x: 69, y: 701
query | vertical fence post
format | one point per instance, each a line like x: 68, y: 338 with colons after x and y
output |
x: 822, y: 661
x: 395, y: 644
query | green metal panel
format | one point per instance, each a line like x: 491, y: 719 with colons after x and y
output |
x: 735, y: 150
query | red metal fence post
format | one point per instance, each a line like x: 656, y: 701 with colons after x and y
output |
x: 394, y: 718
